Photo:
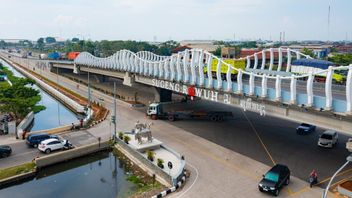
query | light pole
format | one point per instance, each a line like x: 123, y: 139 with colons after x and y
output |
x: 114, y: 116
x: 348, y: 160
x: 89, y: 99
x: 57, y: 77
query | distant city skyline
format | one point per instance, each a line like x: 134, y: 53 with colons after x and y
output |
x: 160, y: 20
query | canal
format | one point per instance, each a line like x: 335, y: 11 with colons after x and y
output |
x: 55, y: 114
x: 97, y: 175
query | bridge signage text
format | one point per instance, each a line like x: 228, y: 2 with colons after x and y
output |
x: 213, y: 95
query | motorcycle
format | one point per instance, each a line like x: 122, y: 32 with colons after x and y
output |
x: 312, y: 180
x: 68, y: 145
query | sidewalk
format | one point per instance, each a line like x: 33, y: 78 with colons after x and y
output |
x: 9, y: 139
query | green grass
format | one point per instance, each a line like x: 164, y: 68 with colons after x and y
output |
x: 4, y: 84
x: 143, y: 187
x: 16, y: 170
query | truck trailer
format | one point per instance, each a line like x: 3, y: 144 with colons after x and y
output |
x: 155, y: 111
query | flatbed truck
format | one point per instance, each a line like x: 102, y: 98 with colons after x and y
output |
x: 155, y: 111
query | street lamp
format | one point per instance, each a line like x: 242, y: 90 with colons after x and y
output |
x: 348, y: 160
x: 89, y: 99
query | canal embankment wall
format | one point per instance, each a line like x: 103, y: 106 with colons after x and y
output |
x: 63, y: 156
x: 72, y: 104
x: 56, y: 158
x: 68, y: 102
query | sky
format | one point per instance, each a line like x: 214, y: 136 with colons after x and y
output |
x: 160, y: 20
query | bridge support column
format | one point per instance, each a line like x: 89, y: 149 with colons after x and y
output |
x: 349, y: 91
x: 162, y: 95
x: 328, y: 93
x: 264, y: 86
x: 278, y: 88
x: 128, y: 79
x: 293, y: 89
x: 75, y: 69
x: 310, y: 90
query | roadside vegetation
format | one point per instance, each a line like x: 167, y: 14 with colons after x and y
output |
x: 16, y: 170
x: 18, y: 99
x: 341, y: 59
x: 147, y: 186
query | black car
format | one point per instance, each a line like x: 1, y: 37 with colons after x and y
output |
x: 34, y: 140
x: 305, y: 128
x: 5, y: 151
x: 274, y: 179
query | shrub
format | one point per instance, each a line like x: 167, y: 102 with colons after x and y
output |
x: 160, y: 163
x: 150, y: 155
x: 126, y: 139
x: 121, y: 135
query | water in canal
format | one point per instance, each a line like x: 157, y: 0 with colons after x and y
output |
x: 98, y: 175
x: 55, y: 114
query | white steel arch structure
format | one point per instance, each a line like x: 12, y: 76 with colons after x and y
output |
x: 187, y: 67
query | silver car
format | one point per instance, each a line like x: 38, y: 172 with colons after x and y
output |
x: 328, y: 139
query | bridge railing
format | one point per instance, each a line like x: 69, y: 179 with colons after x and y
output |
x: 188, y: 67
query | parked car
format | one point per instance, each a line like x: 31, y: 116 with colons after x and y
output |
x: 34, y: 140
x: 328, y: 139
x: 51, y: 144
x: 5, y: 151
x: 275, y: 179
x: 305, y: 128
x: 349, y: 145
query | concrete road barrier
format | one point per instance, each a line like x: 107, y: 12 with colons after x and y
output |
x: 70, y: 154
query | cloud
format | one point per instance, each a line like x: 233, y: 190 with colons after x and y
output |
x: 66, y: 20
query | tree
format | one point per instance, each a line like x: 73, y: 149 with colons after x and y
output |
x: 308, y: 52
x: 75, y: 40
x: 19, y: 98
x: 2, y: 43
x: 217, y: 51
x: 341, y: 59
x: 249, y: 44
x: 50, y: 39
x: 40, y: 43
x: 165, y: 49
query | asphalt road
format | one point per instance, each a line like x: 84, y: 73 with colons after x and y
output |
x: 21, y: 153
x: 268, y: 140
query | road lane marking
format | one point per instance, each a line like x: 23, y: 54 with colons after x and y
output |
x: 321, y: 182
x: 341, y: 173
x: 260, y: 139
x: 195, y: 180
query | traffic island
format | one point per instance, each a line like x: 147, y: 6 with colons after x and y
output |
x: 152, y: 156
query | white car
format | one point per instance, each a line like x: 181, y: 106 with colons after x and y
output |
x: 328, y: 139
x: 51, y: 144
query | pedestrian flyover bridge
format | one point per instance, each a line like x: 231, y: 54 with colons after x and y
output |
x: 268, y: 86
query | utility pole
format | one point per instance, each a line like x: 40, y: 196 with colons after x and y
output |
x: 114, y: 120
x: 89, y: 97
x: 329, y: 24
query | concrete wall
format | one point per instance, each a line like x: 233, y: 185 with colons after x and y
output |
x: 144, y: 163
x: 54, y: 92
x: 25, y: 123
x: 70, y: 154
